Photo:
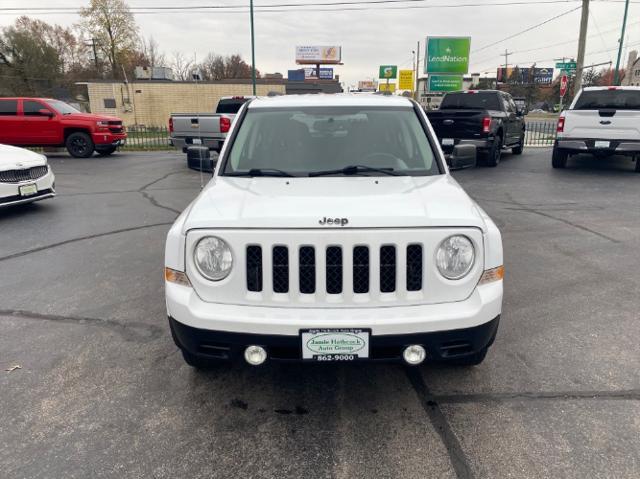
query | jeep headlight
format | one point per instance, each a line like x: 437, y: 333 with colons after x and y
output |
x: 213, y: 258
x: 455, y: 257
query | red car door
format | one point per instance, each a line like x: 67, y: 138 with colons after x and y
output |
x: 40, y: 124
x: 9, y: 121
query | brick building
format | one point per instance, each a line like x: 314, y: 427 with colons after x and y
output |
x: 150, y: 103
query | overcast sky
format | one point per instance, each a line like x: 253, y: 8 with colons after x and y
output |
x: 381, y: 34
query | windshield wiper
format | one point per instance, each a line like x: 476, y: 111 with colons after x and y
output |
x: 260, y: 172
x: 354, y: 170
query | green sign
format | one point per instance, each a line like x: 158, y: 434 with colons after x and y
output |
x: 388, y: 71
x: 567, y: 66
x: 447, y: 55
x: 445, y: 82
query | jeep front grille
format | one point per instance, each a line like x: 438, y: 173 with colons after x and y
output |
x: 334, y: 264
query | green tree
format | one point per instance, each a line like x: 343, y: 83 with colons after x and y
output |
x: 111, y: 24
x: 29, y: 65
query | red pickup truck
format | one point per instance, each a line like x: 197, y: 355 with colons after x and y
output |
x: 48, y: 122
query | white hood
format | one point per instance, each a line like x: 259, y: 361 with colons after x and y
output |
x: 12, y: 158
x: 366, y: 202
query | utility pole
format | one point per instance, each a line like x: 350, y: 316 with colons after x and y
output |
x: 616, y: 80
x: 253, y: 51
x: 506, y: 65
x: 417, y: 97
x: 582, y: 44
x: 415, y: 72
x: 94, y: 45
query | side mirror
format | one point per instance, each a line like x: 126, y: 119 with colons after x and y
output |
x: 45, y: 112
x: 519, y: 111
x: 199, y: 158
x: 462, y: 156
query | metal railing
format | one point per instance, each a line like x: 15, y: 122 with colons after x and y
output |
x: 147, y: 138
x: 540, y: 133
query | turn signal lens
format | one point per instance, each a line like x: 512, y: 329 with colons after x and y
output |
x: 491, y: 275
x: 174, y: 276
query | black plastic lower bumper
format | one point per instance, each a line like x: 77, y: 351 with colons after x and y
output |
x: 440, y: 346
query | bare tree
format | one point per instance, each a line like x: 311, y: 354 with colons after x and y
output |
x: 212, y: 67
x: 111, y: 24
x: 151, y: 53
x: 181, y: 66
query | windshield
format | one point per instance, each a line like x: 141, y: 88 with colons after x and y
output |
x: 470, y: 101
x: 62, y: 107
x: 608, y: 100
x: 304, y: 141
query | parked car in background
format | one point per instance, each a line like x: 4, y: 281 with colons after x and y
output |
x: 53, y: 123
x: 25, y: 176
x: 205, y: 129
x: 488, y: 119
x: 602, y: 121
x: 332, y: 231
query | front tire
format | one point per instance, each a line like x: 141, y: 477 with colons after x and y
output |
x: 559, y: 158
x: 80, y: 145
x: 517, y: 150
x: 494, y: 154
x: 106, y: 151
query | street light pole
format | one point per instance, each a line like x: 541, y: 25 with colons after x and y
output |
x: 624, y: 27
x: 253, y: 50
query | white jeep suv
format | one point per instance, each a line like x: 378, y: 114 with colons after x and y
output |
x: 602, y: 121
x: 332, y: 231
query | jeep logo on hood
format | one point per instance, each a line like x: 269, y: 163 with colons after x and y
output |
x: 334, y: 221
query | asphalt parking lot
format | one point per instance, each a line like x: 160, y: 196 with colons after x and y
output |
x: 103, y: 392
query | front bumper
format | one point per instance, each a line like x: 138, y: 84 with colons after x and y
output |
x: 587, y: 145
x: 109, y: 139
x: 440, y: 346
x: 10, y: 192
x: 201, y: 327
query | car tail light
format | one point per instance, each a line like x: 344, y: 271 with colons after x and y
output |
x: 225, y: 124
x: 560, y: 127
x: 613, y: 88
x: 486, y: 124
x: 170, y: 125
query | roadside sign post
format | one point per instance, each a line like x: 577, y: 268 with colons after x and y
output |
x: 564, y: 82
x: 388, y: 72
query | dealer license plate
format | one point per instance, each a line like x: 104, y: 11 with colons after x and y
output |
x: 447, y: 142
x: 28, y: 190
x: 335, y: 344
x: 196, y: 141
x: 602, y: 144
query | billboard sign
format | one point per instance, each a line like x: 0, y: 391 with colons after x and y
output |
x: 367, y: 85
x: 447, y: 55
x: 390, y: 87
x: 406, y: 80
x: 445, y: 82
x: 525, y: 76
x: 295, y: 75
x: 325, y: 73
x: 388, y: 72
x: 318, y: 54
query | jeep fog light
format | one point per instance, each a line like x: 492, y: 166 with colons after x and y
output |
x: 455, y: 257
x: 491, y: 275
x: 213, y: 258
x: 175, y: 276
x: 414, y: 354
x: 255, y: 355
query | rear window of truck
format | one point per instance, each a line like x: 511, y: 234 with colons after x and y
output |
x: 470, y: 101
x: 230, y: 106
x: 8, y: 107
x: 608, y: 100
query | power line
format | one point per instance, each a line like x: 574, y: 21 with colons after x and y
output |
x: 522, y: 32
x: 199, y: 8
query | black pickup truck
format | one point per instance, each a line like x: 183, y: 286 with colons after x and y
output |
x: 488, y: 119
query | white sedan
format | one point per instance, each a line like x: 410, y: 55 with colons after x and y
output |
x: 25, y: 176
